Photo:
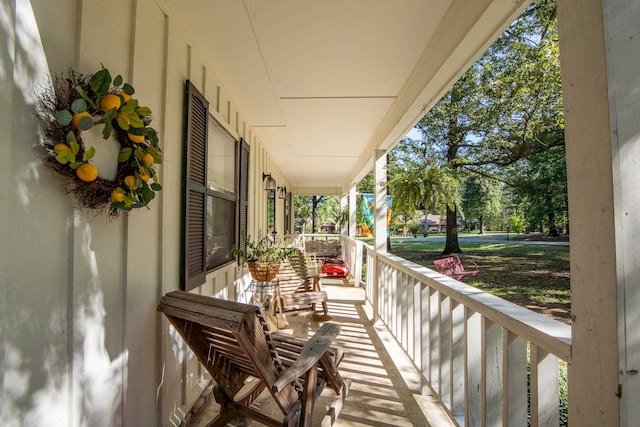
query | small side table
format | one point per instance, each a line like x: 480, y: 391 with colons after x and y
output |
x: 264, y: 296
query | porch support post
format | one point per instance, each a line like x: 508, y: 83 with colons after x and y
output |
x: 600, y: 58
x: 352, y: 212
x: 379, y: 223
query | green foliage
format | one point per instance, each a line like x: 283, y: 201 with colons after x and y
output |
x: 516, y: 222
x: 263, y: 249
x: 482, y: 202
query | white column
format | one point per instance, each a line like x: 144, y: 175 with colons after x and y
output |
x: 600, y: 59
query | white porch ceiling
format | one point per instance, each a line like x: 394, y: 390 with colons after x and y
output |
x: 325, y: 83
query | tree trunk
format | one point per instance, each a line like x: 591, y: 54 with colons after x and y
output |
x: 553, y: 228
x: 314, y: 205
x: 452, y: 246
x: 481, y: 224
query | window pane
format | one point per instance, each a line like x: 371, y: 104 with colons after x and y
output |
x: 221, y: 159
x: 220, y: 231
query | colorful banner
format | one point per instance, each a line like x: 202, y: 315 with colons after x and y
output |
x: 368, y: 211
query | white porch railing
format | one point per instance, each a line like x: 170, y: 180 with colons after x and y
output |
x: 475, y: 351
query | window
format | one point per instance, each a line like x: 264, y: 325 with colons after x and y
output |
x: 215, y: 189
x: 221, y: 195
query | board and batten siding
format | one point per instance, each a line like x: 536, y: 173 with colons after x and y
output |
x: 82, y: 343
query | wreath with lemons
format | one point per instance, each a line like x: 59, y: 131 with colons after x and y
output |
x: 78, y: 103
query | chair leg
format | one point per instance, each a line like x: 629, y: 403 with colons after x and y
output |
x: 308, y: 396
x: 325, y: 308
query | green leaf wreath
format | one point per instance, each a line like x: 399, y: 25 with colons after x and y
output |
x: 79, y: 102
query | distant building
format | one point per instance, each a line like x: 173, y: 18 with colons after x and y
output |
x: 432, y: 223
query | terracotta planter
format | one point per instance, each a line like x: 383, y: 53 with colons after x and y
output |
x: 263, y: 271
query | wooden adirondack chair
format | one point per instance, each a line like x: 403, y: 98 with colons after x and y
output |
x: 297, y: 290
x: 233, y: 342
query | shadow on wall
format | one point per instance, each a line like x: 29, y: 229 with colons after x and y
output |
x: 55, y: 368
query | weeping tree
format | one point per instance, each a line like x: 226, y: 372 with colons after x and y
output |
x: 417, y: 182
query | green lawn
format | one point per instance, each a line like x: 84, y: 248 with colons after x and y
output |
x: 534, y: 276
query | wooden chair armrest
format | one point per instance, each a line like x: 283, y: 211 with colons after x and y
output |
x: 311, y: 353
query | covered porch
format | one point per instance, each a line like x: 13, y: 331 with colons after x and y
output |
x: 316, y: 93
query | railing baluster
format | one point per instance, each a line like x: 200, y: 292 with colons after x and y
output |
x: 445, y: 352
x: 492, y: 372
x: 457, y: 361
x: 425, y: 332
x: 434, y: 338
x: 545, y: 398
x: 515, y: 380
x: 473, y: 369
x: 416, y: 320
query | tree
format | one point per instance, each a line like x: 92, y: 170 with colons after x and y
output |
x: 506, y: 107
x: 482, y: 201
x: 541, y: 181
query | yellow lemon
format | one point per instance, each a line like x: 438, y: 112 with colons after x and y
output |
x: 116, y: 196
x: 61, y: 148
x: 109, y: 101
x: 87, y: 172
x: 143, y: 174
x: 136, y: 138
x: 130, y: 181
x: 76, y: 118
x: 147, y: 159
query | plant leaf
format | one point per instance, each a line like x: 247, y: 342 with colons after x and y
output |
x: 84, y: 95
x: 135, y: 121
x: 144, y: 111
x: 63, y: 117
x: 88, y: 155
x: 123, y: 123
x: 118, y: 80
x: 138, y: 153
x: 70, y: 137
x: 128, y: 89
x: 156, y: 159
x: 76, y: 165
x: 74, y: 147
x: 100, y: 82
x: 124, y: 154
x: 62, y: 158
x: 79, y: 106
x: 86, y: 123
x: 106, y: 131
x: 156, y: 187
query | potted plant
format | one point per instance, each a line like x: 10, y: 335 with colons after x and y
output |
x: 263, y: 256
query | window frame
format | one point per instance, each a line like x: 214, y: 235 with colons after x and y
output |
x: 196, y: 192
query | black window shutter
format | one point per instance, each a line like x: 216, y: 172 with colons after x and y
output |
x: 243, y: 188
x: 194, y: 189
